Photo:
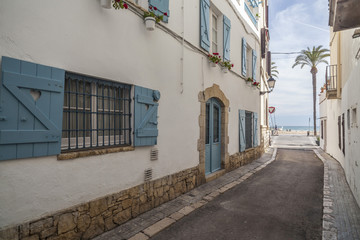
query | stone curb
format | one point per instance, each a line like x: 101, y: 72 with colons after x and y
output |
x: 329, y: 230
x: 190, y: 207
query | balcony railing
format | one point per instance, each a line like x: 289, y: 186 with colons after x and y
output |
x: 331, y: 81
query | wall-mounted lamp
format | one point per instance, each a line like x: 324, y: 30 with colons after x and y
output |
x: 356, y: 33
x: 271, y: 83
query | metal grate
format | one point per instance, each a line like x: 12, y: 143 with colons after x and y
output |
x: 154, y: 154
x: 96, y: 113
x: 148, y: 174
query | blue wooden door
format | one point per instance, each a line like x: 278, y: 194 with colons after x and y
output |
x: 213, y: 136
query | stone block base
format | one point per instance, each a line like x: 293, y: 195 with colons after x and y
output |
x: 90, y: 219
x: 240, y: 159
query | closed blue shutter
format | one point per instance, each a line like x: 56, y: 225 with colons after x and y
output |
x: 30, y: 126
x: 254, y: 65
x: 255, y: 142
x: 243, y: 65
x: 162, y: 7
x: 204, y: 24
x: 145, y: 114
x: 241, y: 130
x: 227, y: 27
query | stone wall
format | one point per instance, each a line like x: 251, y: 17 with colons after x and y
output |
x: 90, y: 219
x: 240, y: 159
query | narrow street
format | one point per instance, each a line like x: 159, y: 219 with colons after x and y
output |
x: 282, y: 201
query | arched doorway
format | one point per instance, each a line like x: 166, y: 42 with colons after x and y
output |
x: 213, y: 136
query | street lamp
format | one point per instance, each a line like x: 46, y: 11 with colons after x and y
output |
x: 271, y: 83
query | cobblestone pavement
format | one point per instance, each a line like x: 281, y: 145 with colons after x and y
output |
x: 148, y: 224
x: 341, y: 215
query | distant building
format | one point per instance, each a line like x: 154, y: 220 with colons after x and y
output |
x: 339, y: 103
x: 102, y: 120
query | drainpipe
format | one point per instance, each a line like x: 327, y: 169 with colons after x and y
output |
x: 182, y: 50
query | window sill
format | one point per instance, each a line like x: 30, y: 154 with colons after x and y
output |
x: 93, y: 152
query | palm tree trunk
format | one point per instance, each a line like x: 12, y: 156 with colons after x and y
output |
x: 313, y: 72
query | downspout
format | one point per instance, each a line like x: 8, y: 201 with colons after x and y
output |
x: 182, y: 50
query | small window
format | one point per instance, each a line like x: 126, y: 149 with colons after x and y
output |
x: 248, y: 129
x: 96, y: 113
x: 249, y: 59
x: 348, y: 119
x: 207, y: 140
x: 214, y: 38
x: 353, y: 117
x: 322, y: 129
x: 339, y: 131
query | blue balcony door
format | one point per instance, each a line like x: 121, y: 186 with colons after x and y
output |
x: 213, y: 136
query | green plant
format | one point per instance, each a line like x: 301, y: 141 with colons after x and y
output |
x: 117, y: 4
x: 215, y: 58
x: 249, y: 79
x: 227, y: 64
x: 151, y: 13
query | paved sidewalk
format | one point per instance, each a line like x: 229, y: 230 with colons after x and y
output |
x: 341, y: 214
x: 148, y: 224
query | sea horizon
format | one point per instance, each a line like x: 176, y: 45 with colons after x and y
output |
x: 298, y: 128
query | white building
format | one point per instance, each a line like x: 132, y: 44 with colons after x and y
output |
x: 339, y: 103
x: 101, y: 120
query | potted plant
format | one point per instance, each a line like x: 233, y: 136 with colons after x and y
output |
x: 226, y: 65
x: 117, y: 4
x: 214, y: 59
x: 256, y: 84
x: 150, y: 18
x: 257, y: 16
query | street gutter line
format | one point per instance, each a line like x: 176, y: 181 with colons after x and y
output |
x: 329, y: 230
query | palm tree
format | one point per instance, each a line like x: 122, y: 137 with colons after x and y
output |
x: 274, y: 71
x: 312, y: 58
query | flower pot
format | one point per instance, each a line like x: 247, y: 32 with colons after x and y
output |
x: 212, y: 64
x: 105, y: 4
x: 225, y: 70
x: 150, y: 23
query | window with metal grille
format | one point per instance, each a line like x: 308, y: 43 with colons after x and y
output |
x: 96, y: 113
x: 248, y: 129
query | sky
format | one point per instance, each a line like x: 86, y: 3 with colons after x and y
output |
x: 294, y: 26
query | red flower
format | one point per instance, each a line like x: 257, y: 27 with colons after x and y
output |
x: 117, y: 0
x: 216, y: 53
x: 150, y: 7
x: 155, y: 8
x: 165, y: 14
x: 126, y: 6
x: 232, y: 65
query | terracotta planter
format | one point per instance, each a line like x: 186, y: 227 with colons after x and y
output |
x: 150, y: 23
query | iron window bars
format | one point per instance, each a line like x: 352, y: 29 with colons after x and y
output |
x: 96, y: 113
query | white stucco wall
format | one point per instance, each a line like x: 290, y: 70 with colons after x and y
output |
x: 82, y: 37
x: 343, y: 53
x: 351, y: 100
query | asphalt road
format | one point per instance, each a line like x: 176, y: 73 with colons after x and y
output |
x: 282, y: 201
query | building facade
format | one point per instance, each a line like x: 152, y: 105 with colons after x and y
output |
x: 102, y: 120
x: 339, y: 102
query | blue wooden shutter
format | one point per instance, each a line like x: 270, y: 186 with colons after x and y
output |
x: 162, y: 7
x: 255, y: 142
x: 227, y: 27
x: 243, y: 65
x: 30, y: 126
x: 145, y: 114
x: 254, y: 65
x: 204, y: 24
x: 241, y: 130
